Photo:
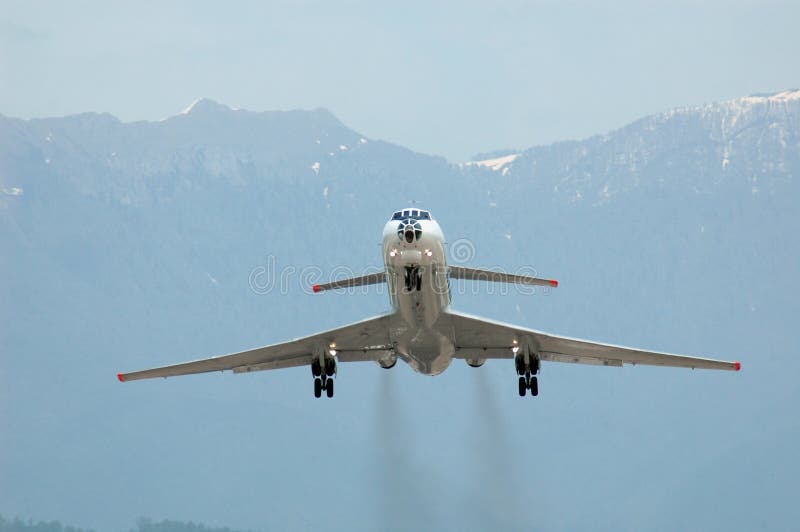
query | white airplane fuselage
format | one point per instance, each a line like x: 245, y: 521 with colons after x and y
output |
x: 421, y: 337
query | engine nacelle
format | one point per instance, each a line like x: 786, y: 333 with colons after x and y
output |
x: 387, y: 361
x: 476, y: 362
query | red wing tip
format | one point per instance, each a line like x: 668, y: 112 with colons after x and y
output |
x: 737, y: 366
x: 554, y: 283
x: 120, y: 377
x: 317, y: 288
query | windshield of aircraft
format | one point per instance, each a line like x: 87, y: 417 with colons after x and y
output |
x: 414, y: 214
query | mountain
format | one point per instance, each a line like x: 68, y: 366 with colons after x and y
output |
x: 749, y: 143
x: 129, y: 245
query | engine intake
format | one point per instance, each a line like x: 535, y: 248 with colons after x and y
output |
x: 388, y: 361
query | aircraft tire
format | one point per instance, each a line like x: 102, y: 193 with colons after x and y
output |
x: 317, y: 388
x: 534, y: 386
x: 522, y: 386
x: 329, y: 388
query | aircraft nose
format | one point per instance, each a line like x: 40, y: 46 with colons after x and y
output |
x: 410, y: 231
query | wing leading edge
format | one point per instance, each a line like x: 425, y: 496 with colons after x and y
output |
x: 361, y: 341
x: 477, y: 274
x: 480, y: 338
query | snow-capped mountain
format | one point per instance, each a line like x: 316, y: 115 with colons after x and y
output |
x: 750, y: 143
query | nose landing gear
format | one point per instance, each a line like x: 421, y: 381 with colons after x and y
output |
x: 413, y: 278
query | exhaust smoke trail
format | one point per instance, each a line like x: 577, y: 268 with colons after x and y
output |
x: 401, y: 486
x: 496, y: 464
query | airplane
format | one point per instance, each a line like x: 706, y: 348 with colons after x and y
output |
x: 422, y: 329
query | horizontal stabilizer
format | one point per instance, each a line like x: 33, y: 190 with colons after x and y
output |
x: 372, y: 278
x: 476, y: 274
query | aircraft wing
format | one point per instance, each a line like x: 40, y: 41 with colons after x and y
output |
x: 360, y: 341
x: 480, y: 338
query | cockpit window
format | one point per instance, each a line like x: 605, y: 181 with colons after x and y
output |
x: 413, y: 214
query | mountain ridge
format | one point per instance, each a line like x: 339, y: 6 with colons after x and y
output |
x: 208, y: 106
x: 300, y: 143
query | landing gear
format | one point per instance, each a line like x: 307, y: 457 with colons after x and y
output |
x: 413, y: 279
x: 323, y: 375
x: 534, y: 386
x: 323, y: 383
x: 527, y: 367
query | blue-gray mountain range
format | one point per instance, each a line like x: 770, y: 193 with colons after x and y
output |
x: 130, y: 245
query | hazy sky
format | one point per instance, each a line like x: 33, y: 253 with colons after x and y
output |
x: 450, y: 78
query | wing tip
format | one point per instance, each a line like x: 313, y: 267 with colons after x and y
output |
x: 554, y: 283
x: 737, y: 366
x: 120, y: 377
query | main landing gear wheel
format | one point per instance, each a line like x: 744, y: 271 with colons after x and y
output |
x: 329, y: 387
x: 527, y: 367
x: 323, y: 371
x: 534, y: 386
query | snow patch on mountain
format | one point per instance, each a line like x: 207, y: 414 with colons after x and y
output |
x: 205, y: 105
x: 498, y: 163
x: 785, y: 96
x: 191, y: 106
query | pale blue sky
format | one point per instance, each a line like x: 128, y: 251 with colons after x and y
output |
x: 451, y: 78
